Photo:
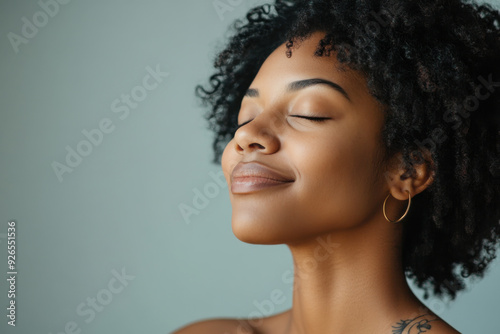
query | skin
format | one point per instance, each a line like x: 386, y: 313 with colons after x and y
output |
x: 348, y: 276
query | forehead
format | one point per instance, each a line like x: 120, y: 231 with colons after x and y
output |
x: 278, y: 70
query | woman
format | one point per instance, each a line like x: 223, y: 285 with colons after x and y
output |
x: 365, y: 137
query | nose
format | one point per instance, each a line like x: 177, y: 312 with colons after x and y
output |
x: 258, y: 135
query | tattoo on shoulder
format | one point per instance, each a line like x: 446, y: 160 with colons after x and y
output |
x: 420, y: 324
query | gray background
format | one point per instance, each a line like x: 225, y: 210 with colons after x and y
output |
x: 120, y: 207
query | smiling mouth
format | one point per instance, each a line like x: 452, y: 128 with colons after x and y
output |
x: 251, y: 176
x: 249, y: 184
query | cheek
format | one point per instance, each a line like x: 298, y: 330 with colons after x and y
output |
x: 334, y: 187
x: 332, y: 190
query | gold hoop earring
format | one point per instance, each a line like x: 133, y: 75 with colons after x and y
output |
x: 407, y: 208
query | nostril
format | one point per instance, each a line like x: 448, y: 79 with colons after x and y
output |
x: 258, y: 145
x: 250, y: 146
x: 239, y: 148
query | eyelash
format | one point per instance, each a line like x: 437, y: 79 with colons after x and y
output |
x: 311, y: 118
x: 239, y: 126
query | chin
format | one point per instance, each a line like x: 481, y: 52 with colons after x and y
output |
x: 256, y: 232
x: 265, y: 231
x: 250, y: 233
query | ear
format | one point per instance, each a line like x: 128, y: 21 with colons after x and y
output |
x: 399, y: 179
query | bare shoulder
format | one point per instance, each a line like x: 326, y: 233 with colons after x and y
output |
x: 424, y: 323
x: 217, y: 326
x: 270, y: 324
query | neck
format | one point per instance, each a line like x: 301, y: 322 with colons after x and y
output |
x: 350, y: 282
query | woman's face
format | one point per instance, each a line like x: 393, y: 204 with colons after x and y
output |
x: 337, y: 181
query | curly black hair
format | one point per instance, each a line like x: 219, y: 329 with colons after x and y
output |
x: 434, y: 66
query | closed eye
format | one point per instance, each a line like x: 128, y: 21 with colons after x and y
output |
x: 240, y: 125
x: 311, y: 118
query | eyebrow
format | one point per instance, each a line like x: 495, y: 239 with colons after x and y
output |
x: 301, y: 84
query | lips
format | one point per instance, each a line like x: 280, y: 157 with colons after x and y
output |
x: 252, y: 176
